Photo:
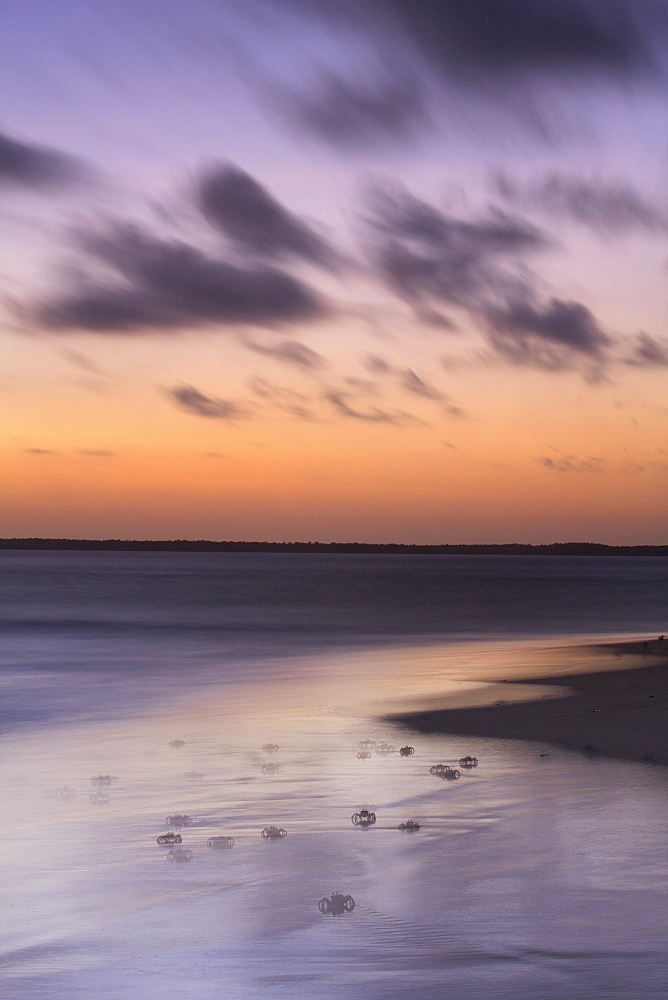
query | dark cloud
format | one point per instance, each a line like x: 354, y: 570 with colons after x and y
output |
x: 425, y: 254
x: 648, y: 352
x: 291, y: 352
x: 358, y: 113
x: 97, y: 453
x: 38, y: 167
x: 501, y: 53
x: 569, y: 324
x: 193, y: 401
x: 40, y: 451
x: 250, y: 216
x: 157, y: 284
x: 502, y: 37
x: 371, y: 414
x: 571, y: 463
x: 605, y: 207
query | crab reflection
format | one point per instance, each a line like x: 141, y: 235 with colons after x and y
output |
x: 178, y: 820
x: 66, y: 792
x: 180, y: 854
x: 220, y: 843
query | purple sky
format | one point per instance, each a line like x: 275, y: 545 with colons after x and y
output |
x: 389, y: 242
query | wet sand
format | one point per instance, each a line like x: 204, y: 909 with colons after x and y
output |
x: 619, y: 709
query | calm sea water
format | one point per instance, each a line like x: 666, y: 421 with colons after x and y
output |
x: 530, y: 876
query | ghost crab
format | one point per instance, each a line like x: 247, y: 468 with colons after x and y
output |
x: 273, y: 832
x: 166, y: 839
x: 468, y: 761
x: 363, y: 818
x: 336, y: 904
x: 444, y: 771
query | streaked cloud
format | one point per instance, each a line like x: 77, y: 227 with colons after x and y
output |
x: 38, y: 167
x: 568, y: 324
x: 159, y: 284
x: 190, y: 399
x: 572, y: 463
x: 607, y: 208
x: 648, y: 351
x: 286, y: 399
x: 291, y: 352
x: 346, y: 405
x: 246, y: 212
x: 355, y: 114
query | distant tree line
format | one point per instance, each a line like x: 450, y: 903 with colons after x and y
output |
x: 352, y: 548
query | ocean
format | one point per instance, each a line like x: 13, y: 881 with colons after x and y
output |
x: 142, y: 686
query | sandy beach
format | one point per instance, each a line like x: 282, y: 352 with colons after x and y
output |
x: 618, y: 709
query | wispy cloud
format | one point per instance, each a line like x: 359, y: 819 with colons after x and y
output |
x: 607, y: 208
x: 571, y: 463
x: 648, y: 352
x: 291, y: 352
x: 190, y: 399
x: 354, y: 114
x: 341, y: 401
x: 284, y: 398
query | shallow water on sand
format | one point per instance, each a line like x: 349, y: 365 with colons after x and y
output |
x: 530, y: 876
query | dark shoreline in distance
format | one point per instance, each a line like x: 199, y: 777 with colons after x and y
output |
x: 350, y: 548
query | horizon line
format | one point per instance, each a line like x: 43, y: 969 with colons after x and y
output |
x: 480, y: 548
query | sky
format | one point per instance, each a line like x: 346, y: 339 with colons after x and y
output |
x: 294, y: 270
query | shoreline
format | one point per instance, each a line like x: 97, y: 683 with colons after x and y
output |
x: 619, y: 709
x: 580, y: 549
